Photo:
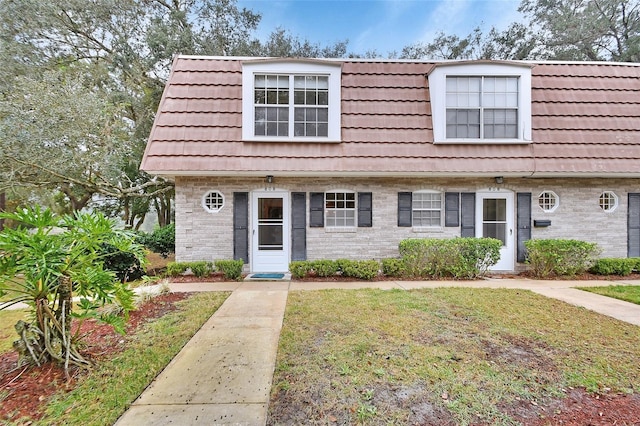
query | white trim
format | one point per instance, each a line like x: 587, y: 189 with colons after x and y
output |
x: 437, y: 91
x: 270, y: 261
x: 507, y: 252
x: 556, y: 204
x: 426, y: 228
x: 616, y: 201
x: 291, y: 68
x: 204, y: 198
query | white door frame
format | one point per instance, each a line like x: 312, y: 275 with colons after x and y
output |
x: 507, y: 252
x: 272, y: 260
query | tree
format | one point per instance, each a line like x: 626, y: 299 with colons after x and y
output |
x: 47, y: 259
x: 591, y: 30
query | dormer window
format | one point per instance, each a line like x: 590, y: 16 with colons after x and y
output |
x: 291, y: 101
x: 481, y: 102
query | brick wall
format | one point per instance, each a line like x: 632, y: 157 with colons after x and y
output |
x: 207, y: 236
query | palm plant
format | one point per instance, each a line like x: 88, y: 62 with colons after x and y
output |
x: 47, y: 260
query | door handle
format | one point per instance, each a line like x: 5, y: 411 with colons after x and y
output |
x: 510, y: 231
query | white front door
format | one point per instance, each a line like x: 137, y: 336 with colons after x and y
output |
x: 494, y: 219
x: 270, y: 231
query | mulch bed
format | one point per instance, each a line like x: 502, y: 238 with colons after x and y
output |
x: 29, y: 388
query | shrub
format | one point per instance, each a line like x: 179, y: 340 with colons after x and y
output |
x: 162, y: 240
x: 299, y: 269
x: 457, y: 257
x: 177, y: 268
x: 393, y: 267
x: 325, y: 268
x: 361, y: 269
x: 555, y: 257
x: 614, y: 266
x: 124, y: 264
x: 231, y: 269
x: 201, y: 268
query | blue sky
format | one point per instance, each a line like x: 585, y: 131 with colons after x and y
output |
x: 383, y: 25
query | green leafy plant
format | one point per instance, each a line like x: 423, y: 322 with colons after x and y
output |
x: 231, y: 269
x: 463, y: 258
x: 556, y: 257
x: 614, y: 266
x: 393, y: 267
x: 48, y: 259
x: 325, y: 268
x: 177, y: 268
x: 125, y: 265
x: 201, y: 268
x: 162, y: 240
x: 299, y: 268
x: 362, y: 269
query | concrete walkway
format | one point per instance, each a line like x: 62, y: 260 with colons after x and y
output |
x: 223, y: 374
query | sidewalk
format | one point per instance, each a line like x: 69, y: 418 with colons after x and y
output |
x: 223, y: 374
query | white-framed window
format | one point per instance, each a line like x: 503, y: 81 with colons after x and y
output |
x: 548, y: 201
x: 481, y: 102
x: 291, y: 101
x: 340, y: 209
x: 608, y: 201
x: 426, y: 209
x: 213, y: 201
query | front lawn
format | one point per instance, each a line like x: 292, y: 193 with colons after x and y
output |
x: 628, y: 293
x: 443, y: 356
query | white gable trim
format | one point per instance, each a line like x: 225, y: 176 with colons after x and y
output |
x: 291, y: 67
x: 437, y: 90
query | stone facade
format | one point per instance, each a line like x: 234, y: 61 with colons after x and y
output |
x: 201, y: 235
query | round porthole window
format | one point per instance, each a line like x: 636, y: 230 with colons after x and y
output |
x: 213, y: 201
x: 608, y: 201
x: 548, y: 201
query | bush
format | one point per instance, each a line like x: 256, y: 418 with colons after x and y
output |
x: 361, y: 269
x: 394, y: 267
x: 465, y: 258
x: 162, y: 240
x: 177, y: 268
x: 614, y: 266
x: 555, y: 257
x: 201, y: 268
x: 299, y: 269
x: 231, y: 269
x: 325, y: 268
x: 124, y: 264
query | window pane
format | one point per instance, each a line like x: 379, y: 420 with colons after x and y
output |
x: 323, y: 98
x: 323, y: 82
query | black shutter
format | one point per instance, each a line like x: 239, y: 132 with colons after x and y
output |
x: 468, y: 214
x: 404, y: 209
x: 523, y: 222
x: 316, y: 209
x: 241, y: 226
x: 298, y: 226
x: 451, y: 209
x: 365, y: 209
x: 633, y: 226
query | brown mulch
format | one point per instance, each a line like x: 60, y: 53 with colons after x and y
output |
x: 28, y: 389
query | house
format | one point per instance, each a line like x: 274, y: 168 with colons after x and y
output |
x: 277, y: 160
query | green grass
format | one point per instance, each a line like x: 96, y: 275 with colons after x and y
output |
x: 107, y: 391
x: 627, y: 293
x: 462, y: 353
x: 8, y: 318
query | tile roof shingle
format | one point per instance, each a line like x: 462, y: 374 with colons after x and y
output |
x: 585, y: 118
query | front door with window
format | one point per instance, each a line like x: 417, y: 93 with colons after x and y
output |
x: 270, y: 232
x: 494, y: 219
